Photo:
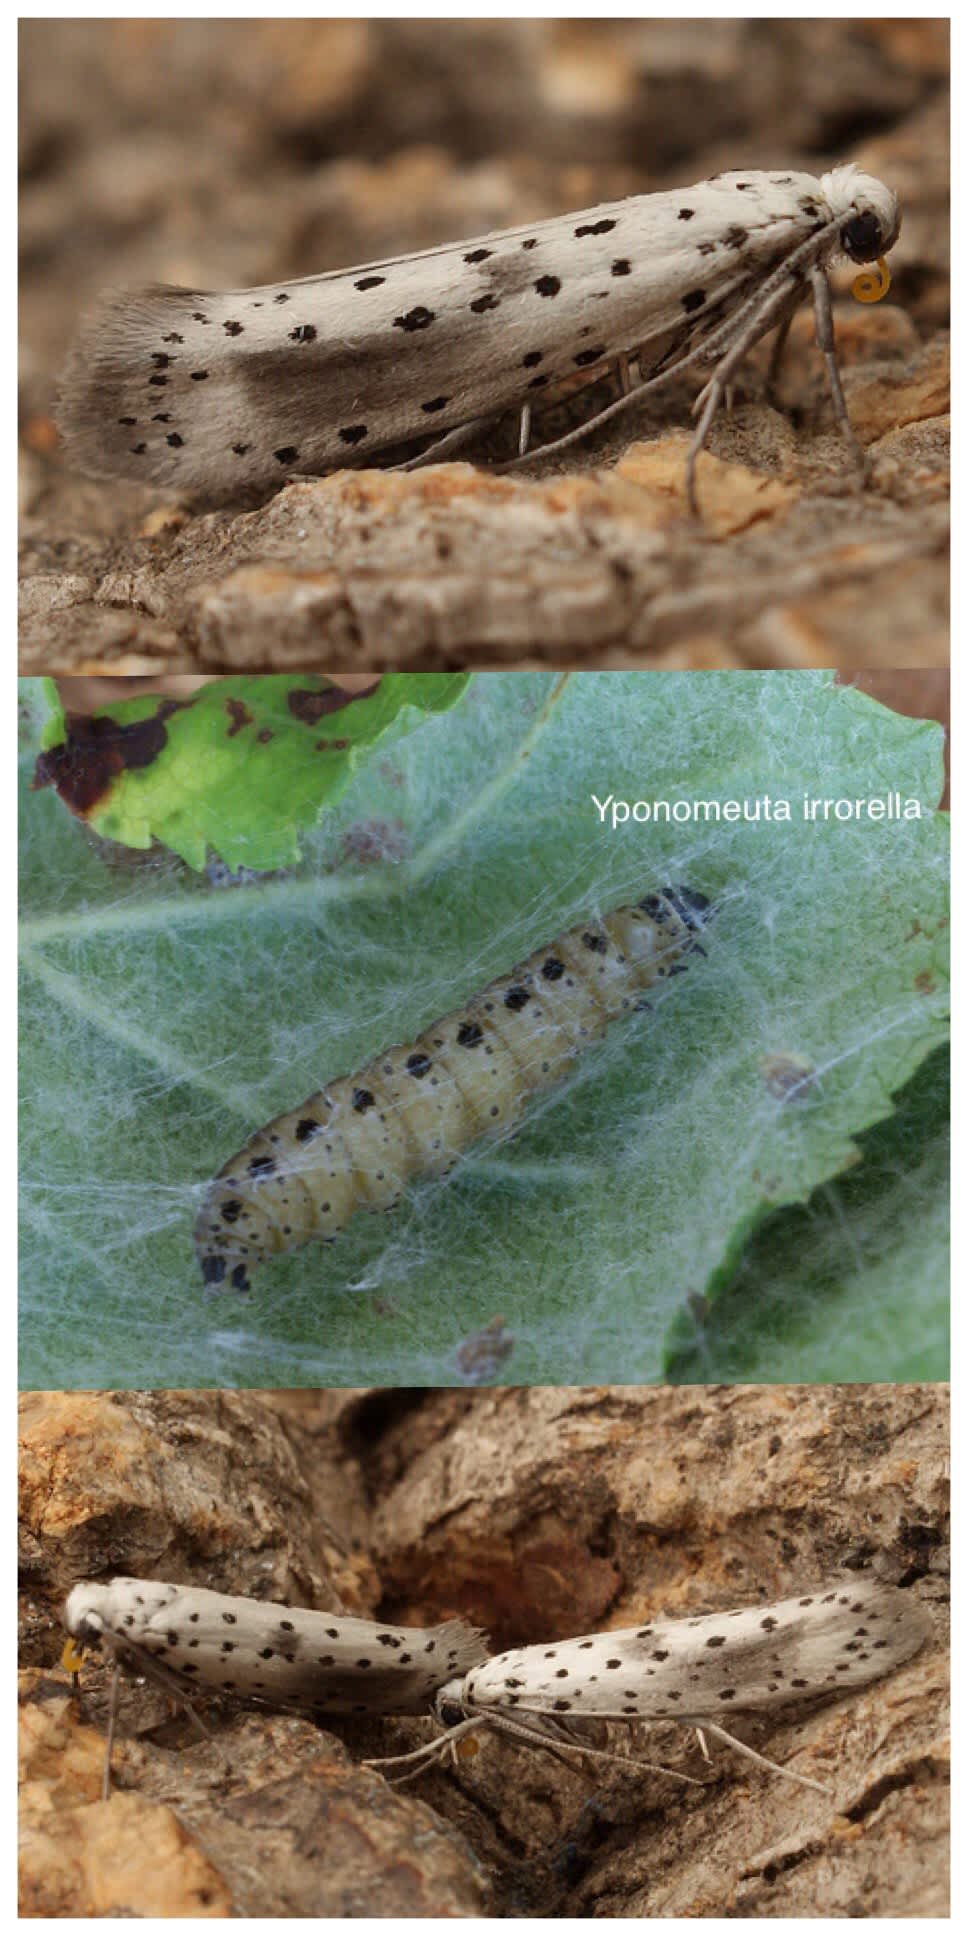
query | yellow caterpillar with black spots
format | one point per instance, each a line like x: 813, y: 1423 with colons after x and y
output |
x: 413, y: 1110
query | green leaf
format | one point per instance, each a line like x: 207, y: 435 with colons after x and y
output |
x: 165, y: 1019
x: 239, y: 769
x: 857, y: 1277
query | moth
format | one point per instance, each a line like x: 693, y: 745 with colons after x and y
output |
x: 188, y: 1639
x: 750, y: 1660
x: 213, y: 394
x: 414, y: 1109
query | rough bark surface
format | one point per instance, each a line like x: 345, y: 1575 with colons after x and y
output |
x: 225, y: 153
x: 537, y: 1514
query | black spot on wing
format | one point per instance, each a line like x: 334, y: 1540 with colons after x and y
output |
x: 415, y: 319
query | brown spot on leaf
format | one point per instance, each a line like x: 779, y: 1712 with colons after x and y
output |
x: 371, y: 842
x: 239, y: 715
x: 788, y: 1077
x: 310, y: 707
x: 98, y: 749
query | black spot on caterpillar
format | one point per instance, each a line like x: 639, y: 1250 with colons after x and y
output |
x: 414, y: 1109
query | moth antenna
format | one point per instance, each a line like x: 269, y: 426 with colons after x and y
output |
x: 789, y: 1774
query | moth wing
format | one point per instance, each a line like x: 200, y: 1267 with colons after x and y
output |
x: 744, y: 1659
x: 300, y: 1657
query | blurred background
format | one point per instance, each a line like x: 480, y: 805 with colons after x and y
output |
x: 225, y: 152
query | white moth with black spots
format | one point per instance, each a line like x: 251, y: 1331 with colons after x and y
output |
x: 281, y: 1656
x: 750, y: 1660
x: 415, y: 1108
x: 210, y: 394
x: 189, y: 1641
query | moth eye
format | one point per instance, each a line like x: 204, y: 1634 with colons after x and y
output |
x: 863, y: 238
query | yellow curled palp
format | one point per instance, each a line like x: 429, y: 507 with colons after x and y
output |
x: 872, y: 283
x: 72, y: 1658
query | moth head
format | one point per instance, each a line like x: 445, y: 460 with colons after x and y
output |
x: 448, y: 1705
x: 871, y: 218
x: 84, y: 1616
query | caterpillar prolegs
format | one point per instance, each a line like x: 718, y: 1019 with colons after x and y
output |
x: 414, y: 1109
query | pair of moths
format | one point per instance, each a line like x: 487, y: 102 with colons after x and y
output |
x: 695, y: 1670
x: 213, y: 394
x: 413, y: 1110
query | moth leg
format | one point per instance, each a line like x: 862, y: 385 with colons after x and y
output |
x: 537, y: 1738
x: 431, y: 1750
x: 661, y: 374
x: 161, y: 1676
x: 709, y: 398
x: 109, y: 1740
x: 602, y: 416
x: 703, y: 1745
x: 628, y: 373
x: 823, y: 315
x: 776, y: 358
x: 524, y: 429
x: 804, y: 1781
x: 452, y: 440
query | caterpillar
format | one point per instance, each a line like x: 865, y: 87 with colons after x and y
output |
x: 414, y: 1109
x: 190, y: 1639
x: 215, y: 393
x: 751, y: 1660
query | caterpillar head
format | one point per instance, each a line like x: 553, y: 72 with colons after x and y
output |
x: 693, y: 909
x: 679, y: 907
